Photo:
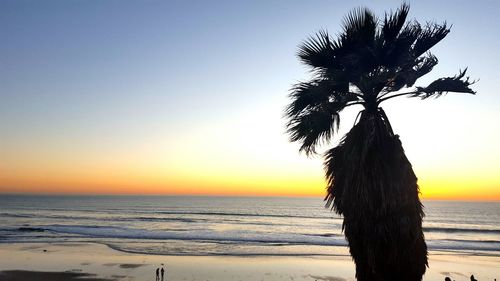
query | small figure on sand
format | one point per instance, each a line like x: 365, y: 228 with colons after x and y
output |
x: 472, y: 278
x: 447, y: 278
x: 157, y: 274
x: 162, y: 272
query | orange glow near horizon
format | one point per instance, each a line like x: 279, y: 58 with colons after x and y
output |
x: 201, y: 185
x: 430, y: 190
x: 189, y: 170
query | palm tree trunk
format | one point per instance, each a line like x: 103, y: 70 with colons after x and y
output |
x: 372, y: 184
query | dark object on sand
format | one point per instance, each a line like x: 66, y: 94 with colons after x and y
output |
x: 371, y: 183
x: 24, y: 275
x: 131, y: 265
x: 158, y: 273
x: 31, y: 229
x: 447, y: 279
x: 472, y: 278
x: 162, y: 273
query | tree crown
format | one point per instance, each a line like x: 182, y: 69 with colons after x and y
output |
x: 369, y: 62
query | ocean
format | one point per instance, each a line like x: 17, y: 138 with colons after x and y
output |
x: 178, y: 225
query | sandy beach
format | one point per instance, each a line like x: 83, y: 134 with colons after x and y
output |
x: 78, y: 261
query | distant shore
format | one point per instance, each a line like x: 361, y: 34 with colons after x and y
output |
x: 97, y: 262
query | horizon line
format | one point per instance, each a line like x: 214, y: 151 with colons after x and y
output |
x: 68, y: 194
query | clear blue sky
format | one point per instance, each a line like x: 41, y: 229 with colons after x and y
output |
x: 92, y: 81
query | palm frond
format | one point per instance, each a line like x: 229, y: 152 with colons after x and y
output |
x: 307, y: 95
x: 315, y: 93
x: 396, y: 54
x: 313, y: 127
x: 408, y: 77
x: 444, y: 85
x: 360, y: 26
x: 394, y: 22
x: 430, y: 36
x: 333, y: 164
x: 424, y: 66
x: 317, y: 51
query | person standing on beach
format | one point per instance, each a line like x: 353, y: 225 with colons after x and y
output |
x: 162, y: 272
x: 157, y: 274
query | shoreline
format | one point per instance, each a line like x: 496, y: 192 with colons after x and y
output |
x: 100, y: 262
x: 341, y: 251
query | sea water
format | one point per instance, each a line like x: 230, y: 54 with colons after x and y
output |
x: 187, y: 225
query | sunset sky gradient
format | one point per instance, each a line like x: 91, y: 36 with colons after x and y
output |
x: 176, y: 97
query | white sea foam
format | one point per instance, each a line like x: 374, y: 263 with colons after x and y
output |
x: 228, y: 226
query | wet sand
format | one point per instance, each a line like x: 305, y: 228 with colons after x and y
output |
x: 96, y: 262
x: 22, y: 275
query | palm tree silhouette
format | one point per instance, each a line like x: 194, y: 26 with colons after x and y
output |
x: 370, y: 182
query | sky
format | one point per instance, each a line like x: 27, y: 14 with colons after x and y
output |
x: 187, y: 97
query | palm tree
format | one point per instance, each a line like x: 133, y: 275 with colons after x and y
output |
x: 370, y: 182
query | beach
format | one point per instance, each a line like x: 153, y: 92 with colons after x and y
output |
x: 91, y: 261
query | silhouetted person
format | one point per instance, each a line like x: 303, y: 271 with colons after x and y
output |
x: 162, y: 272
x: 472, y: 278
x: 447, y: 279
x: 158, y: 274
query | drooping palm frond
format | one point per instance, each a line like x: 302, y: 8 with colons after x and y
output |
x: 314, y: 117
x: 311, y: 128
x: 444, y: 85
x: 309, y: 95
x: 314, y: 111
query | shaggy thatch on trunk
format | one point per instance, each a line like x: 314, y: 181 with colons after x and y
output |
x: 371, y: 183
